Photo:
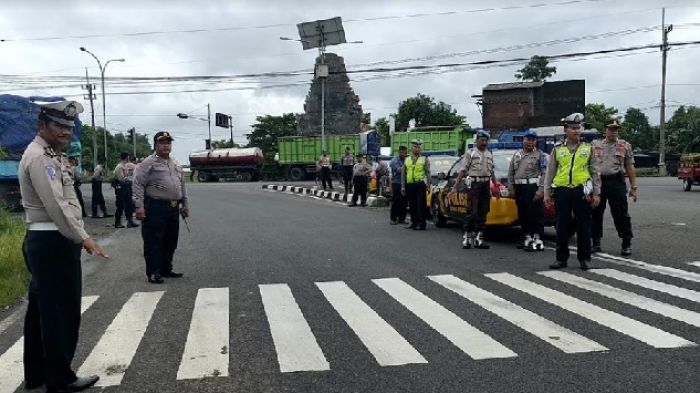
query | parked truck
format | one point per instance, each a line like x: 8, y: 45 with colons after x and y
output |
x: 443, y: 140
x: 237, y: 164
x: 298, y: 155
x: 18, y: 122
x: 689, y: 170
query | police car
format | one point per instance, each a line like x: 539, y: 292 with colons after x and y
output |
x: 452, y: 206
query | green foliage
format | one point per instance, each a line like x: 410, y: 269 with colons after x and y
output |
x: 223, y: 144
x: 536, y: 70
x: 683, y: 130
x: 267, y: 129
x: 637, y: 130
x: 596, y: 114
x: 14, y: 276
x: 116, y: 143
x: 381, y: 125
x: 426, y: 112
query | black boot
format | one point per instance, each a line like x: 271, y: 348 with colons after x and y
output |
x: 558, y: 265
x: 584, y: 265
x: 626, y: 247
x: 118, y: 224
x: 596, y: 245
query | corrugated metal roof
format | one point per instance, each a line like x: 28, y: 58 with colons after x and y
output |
x: 512, y: 85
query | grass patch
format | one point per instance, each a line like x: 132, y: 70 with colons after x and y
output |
x: 14, y: 276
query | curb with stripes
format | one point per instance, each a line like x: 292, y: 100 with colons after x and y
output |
x: 372, y: 201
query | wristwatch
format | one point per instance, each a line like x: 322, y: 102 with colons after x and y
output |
x: 634, y: 188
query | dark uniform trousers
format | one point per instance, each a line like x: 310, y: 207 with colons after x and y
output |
x: 613, y: 190
x: 97, y: 198
x: 415, y: 193
x: 326, y: 177
x: 398, y: 203
x: 530, y: 212
x: 347, y: 177
x: 478, y: 206
x: 568, y: 201
x: 360, y: 190
x: 124, y: 203
x: 53, y: 313
x: 160, y: 231
x: 79, y: 195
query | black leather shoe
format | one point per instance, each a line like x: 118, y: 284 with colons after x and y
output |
x: 558, y: 265
x: 119, y: 225
x: 402, y: 221
x: 584, y: 265
x: 352, y: 204
x: 596, y: 246
x: 412, y: 226
x: 421, y: 228
x: 626, y: 249
x: 392, y: 222
x: 107, y: 215
x: 78, y: 385
x: 172, y: 275
x: 132, y: 225
x: 155, y: 279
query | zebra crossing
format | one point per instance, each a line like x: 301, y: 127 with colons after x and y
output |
x: 207, y: 354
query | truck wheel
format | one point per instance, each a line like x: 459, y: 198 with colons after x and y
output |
x: 246, y: 176
x: 687, y: 184
x: 202, y: 177
x: 297, y: 174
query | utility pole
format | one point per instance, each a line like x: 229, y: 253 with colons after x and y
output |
x: 209, y: 121
x: 230, y: 124
x: 89, y: 88
x: 662, y: 117
x: 133, y: 139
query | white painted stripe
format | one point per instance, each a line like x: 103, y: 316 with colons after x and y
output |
x: 207, y: 348
x: 621, y: 295
x: 296, y: 346
x: 544, y: 329
x: 472, y: 341
x: 113, y: 353
x: 665, y: 270
x: 385, y: 343
x: 635, y: 329
x: 644, y: 282
x: 694, y: 263
x: 11, y: 367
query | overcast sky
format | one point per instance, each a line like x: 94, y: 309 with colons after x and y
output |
x: 235, y: 37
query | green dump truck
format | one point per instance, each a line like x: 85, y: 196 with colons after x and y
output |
x: 298, y: 154
x: 442, y: 140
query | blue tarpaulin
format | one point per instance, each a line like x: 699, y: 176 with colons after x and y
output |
x: 18, y: 120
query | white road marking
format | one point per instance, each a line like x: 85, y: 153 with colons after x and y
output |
x: 207, y: 349
x: 382, y: 340
x: 694, y: 263
x: 635, y: 329
x: 296, y: 346
x: 550, y: 332
x: 11, y: 367
x: 623, y: 296
x: 113, y: 353
x: 665, y: 270
x: 644, y: 282
x: 466, y: 337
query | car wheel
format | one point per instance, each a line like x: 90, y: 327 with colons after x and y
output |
x: 687, y: 184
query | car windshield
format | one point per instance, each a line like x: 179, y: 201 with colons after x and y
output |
x: 441, y: 164
x: 501, y: 162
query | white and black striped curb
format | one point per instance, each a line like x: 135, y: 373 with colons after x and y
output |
x: 372, y: 201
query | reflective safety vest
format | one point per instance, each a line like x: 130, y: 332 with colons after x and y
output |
x: 415, y: 171
x: 572, y: 168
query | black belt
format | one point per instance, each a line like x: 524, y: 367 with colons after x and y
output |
x: 163, y: 202
x: 618, y: 175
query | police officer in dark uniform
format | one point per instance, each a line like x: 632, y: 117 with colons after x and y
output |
x: 160, y: 197
x: 124, y: 176
x: 616, y: 158
x: 55, y: 236
x: 98, y: 199
x: 526, y: 180
x: 77, y: 182
x: 477, y: 173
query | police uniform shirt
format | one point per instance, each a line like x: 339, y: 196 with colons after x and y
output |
x: 361, y: 169
x: 97, y: 175
x: 159, y: 178
x: 120, y: 172
x: 347, y: 160
x: 46, y: 185
x: 478, y: 163
x: 527, y: 165
x: 76, y: 176
x: 613, y: 157
x: 325, y: 161
x: 553, y: 165
x: 130, y: 169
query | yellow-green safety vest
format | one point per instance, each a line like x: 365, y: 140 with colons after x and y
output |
x: 415, y: 172
x: 572, y: 168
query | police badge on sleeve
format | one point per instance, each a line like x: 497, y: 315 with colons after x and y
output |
x: 50, y: 171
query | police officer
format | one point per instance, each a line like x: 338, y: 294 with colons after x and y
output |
x: 415, y: 178
x: 160, y: 196
x: 478, y: 170
x: 526, y: 180
x: 573, y: 183
x: 124, y: 175
x: 77, y: 182
x: 52, y: 245
x: 360, y: 173
x: 616, y: 158
x: 347, y: 162
x: 98, y: 198
x: 324, y: 164
x: 397, y: 214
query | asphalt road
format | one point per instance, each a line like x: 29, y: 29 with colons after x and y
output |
x: 288, y: 293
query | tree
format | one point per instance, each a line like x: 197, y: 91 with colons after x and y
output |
x: 426, y: 112
x: 536, y: 70
x: 223, y: 144
x: 683, y: 130
x: 116, y: 144
x: 381, y: 125
x: 596, y: 114
x: 266, y: 131
x: 637, y: 130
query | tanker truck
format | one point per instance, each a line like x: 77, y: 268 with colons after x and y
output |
x: 237, y: 164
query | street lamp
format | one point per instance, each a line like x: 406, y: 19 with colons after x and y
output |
x: 104, y: 106
x: 208, y: 120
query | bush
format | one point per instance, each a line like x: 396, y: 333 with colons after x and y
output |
x: 14, y: 276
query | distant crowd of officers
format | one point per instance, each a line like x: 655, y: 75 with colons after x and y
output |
x: 578, y: 180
